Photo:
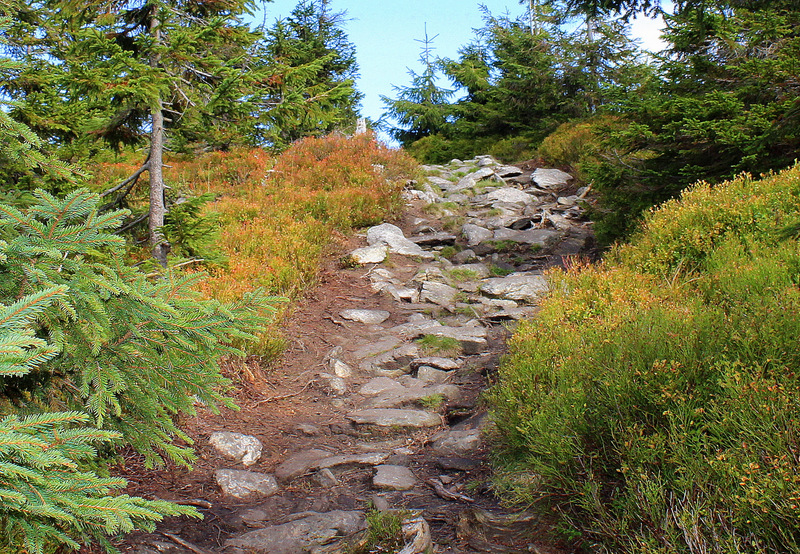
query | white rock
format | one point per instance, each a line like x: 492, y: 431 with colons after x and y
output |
x: 393, y: 478
x: 245, y: 485
x: 369, y: 254
x: 237, y: 447
x: 369, y: 317
x: 392, y: 237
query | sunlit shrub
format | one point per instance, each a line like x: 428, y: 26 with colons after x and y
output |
x: 653, y: 402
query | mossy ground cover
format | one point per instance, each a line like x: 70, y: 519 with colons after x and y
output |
x: 654, y: 402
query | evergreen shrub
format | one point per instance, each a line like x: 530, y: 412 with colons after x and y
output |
x: 653, y: 401
x: 133, y: 352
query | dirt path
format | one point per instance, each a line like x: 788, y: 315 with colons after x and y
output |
x: 376, y: 405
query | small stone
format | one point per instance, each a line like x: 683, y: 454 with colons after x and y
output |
x: 393, y: 478
x: 517, y: 286
x: 340, y: 369
x: 457, y: 463
x: 380, y: 503
x: 335, y: 383
x: 368, y: 317
x: 506, y: 171
x: 245, y: 485
x: 369, y: 254
x: 465, y: 256
x: 245, y: 449
x: 392, y: 237
x: 457, y: 441
x: 567, y: 200
x: 308, y: 429
x: 432, y: 375
x: 326, y: 478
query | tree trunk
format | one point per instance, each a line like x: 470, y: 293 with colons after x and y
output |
x: 158, y: 208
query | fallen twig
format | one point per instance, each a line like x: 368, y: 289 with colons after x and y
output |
x: 285, y: 396
x: 184, y: 543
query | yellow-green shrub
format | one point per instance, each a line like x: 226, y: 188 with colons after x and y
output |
x: 654, y: 403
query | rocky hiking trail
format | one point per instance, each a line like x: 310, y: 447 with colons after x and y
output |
x: 376, y: 405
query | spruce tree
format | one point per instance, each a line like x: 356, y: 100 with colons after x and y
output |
x: 421, y: 109
x: 310, y: 68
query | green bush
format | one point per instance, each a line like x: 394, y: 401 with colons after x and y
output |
x: 134, y: 352
x: 653, y: 402
x: 48, y: 497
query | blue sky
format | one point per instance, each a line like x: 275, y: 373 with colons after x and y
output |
x: 384, y: 34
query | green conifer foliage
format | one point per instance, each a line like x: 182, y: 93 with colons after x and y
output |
x: 47, y: 498
x: 134, y: 353
x: 310, y: 70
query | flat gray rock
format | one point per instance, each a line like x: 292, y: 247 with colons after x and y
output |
x: 506, y: 171
x: 413, y: 395
x: 457, y: 441
x: 475, y: 234
x: 299, y: 536
x: 380, y: 385
x: 387, y: 418
x: 551, y: 178
x: 369, y: 317
x: 434, y: 239
x: 369, y: 254
x: 471, y: 179
x: 392, y: 237
x: 438, y: 293
x: 245, y: 485
x: 510, y: 195
x: 540, y: 237
x: 240, y: 448
x: 517, y: 286
x: 375, y: 348
x: 430, y: 374
x: 314, y: 459
x: 393, y: 478
x: 446, y: 364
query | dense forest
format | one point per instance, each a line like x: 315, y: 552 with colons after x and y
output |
x: 110, y: 331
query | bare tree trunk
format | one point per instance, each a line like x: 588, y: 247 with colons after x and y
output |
x: 157, y: 206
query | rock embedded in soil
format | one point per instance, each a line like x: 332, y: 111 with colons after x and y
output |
x: 517, y: 286
x: 369, y: 254
x: 393, y: 478
x: 432, y: 375
x: 510, y: 195
x: 457, y: 442
x: 438, y: 293
x: 437, y: 362
x: 245, y: 485
x: 315, y: 459
x: 390, y: 418
x: 299, y: 536
x: 368, y: 317
x: 475, y: 234
x: 551, y: 178
x: 392, y: 236
x: 240, y: 448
